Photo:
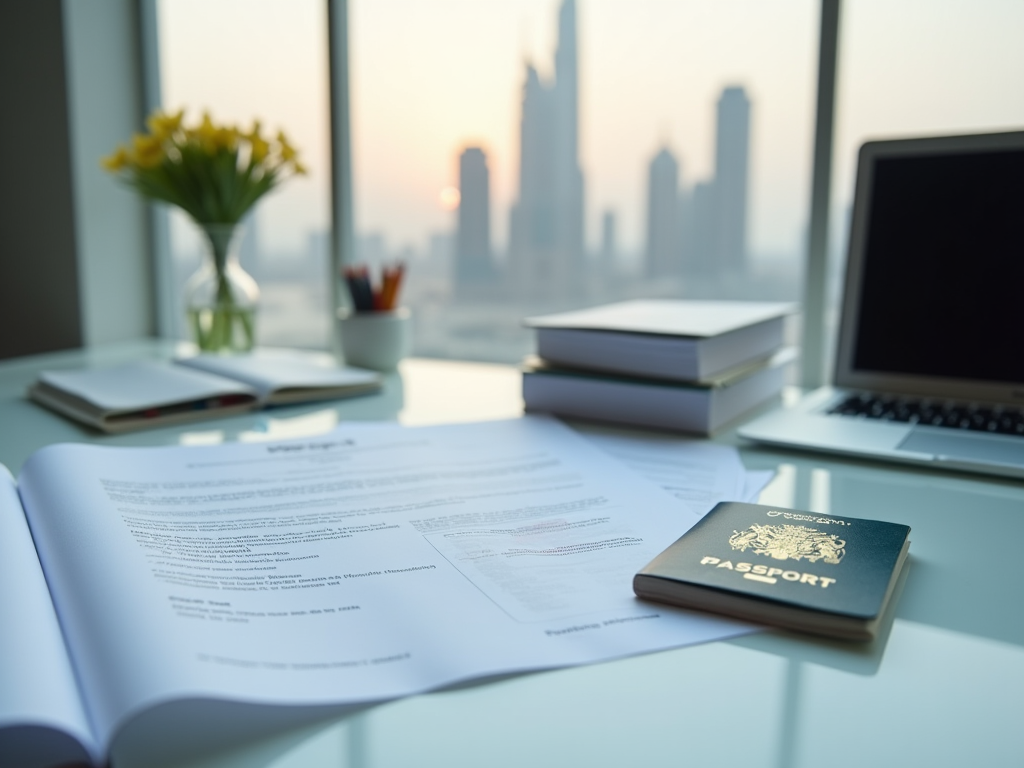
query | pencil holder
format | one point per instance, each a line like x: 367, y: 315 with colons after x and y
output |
x: 375, y: 340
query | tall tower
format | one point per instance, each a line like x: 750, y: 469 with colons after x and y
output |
x: 546, y: 228
x: 609, y: 242
x: 474, y: 263
x: 664, y: 249
x: 568, y: 174
x: 732, y: 173
x: 699, y: 249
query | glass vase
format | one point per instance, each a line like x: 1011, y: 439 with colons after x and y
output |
x: 221, y: 298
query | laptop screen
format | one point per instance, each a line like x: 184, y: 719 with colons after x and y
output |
x: 941, y: 282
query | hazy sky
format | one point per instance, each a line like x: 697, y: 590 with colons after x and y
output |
x: 920, y: 67
x: 432, y: 76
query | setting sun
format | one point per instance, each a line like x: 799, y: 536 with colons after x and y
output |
x: 450, y: 198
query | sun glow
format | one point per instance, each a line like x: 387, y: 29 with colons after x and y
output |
x: 450, y: 198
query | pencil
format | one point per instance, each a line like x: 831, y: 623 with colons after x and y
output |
x: 366, y: 297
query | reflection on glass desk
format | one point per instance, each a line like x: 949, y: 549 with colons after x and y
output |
x: 944, y: 685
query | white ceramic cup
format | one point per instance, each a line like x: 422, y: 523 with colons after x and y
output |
x: 375, y: 340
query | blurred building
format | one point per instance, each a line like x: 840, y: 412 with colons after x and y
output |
x: 664, y: 246
x: 609, y: 242
x: 546, y: 255
x: 732, y: 180
x: 698, y: 248
x: 474, y: 258
x: 371, y: 249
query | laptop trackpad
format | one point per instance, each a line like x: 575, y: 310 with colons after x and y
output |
x: 972, y: 446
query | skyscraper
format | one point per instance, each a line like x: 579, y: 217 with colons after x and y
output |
x: 546, y: 227
x: 609, y: 242
x: 474, y: 264
x: 699, y: 248
x: 664, y: 248
x: 732, y: 172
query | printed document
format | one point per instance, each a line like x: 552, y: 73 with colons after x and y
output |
x: 362, y: 565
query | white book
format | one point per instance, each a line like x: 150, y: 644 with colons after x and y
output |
x: 167, y: 599
x: 700, y: 408
x: 146, y: 394
x: 681, y: 340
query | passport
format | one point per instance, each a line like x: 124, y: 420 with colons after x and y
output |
x: 825, y: 574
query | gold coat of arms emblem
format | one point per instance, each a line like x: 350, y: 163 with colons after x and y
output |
x: 789, y: 542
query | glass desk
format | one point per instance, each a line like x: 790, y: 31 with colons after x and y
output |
x: 944, y: 685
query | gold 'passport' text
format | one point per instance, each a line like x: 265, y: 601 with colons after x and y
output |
x: 768, y: 575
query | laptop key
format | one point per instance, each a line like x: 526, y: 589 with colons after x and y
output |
x: 976, y: 418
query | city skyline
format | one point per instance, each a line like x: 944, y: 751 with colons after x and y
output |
x: 408, y: 61
x: 546, y: 253
x: 637, y: 86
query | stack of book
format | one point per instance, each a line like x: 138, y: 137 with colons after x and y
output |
x: 691, y: 366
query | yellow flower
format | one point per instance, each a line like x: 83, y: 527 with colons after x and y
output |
x: 225, y: 138
x: 162, y: 125
x: 212, y: 137
x: 214, y: 171
x: 205, y: 133
x: 288, y: 152
x: 148, y: 151
x: 118, y: 160
x: 259, y: 147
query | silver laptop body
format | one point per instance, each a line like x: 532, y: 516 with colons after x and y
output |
x: 930, y: 359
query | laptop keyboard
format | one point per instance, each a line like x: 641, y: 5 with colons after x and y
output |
x: 977, y: 418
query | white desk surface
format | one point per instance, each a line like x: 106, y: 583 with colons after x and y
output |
x: 944, y: 687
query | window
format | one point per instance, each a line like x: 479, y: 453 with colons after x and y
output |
x: 919, y: 68
x: 536, y: 155
x: 521, y: 157
x: 265, y: 59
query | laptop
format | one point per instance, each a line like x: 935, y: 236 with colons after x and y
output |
x: 930, y: 358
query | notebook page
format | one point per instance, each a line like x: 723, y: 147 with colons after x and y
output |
x: 38, y: 693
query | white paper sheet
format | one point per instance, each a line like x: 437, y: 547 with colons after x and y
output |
x: 270, y: 370
x: 697, y: 473
x: 366, y: 564
x: 37, y: 686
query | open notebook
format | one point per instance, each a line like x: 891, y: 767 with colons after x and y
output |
x: 148, y: 394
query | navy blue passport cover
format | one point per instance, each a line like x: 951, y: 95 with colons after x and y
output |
x: 840, y: 565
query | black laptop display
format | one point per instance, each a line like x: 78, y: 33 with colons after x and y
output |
x: 931, y: 338
x: 942, y: 292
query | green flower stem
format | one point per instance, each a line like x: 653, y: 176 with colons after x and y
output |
x: 224, y: 326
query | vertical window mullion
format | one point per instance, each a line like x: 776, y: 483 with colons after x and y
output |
x: 816, y: 272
